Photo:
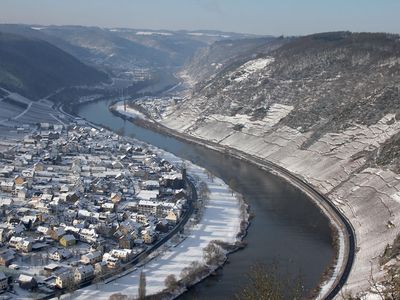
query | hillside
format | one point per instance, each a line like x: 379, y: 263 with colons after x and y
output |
x: 209, y: 61
x: 31, y: 33
x: 35, y: 68
x: 325, y: 107
x: 327, y: 78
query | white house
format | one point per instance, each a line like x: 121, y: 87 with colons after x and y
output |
x: 20, y: 243
x: 60, y: 254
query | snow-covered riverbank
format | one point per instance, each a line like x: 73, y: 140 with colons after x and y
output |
x: 221, y: 220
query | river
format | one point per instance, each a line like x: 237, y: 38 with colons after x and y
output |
x: 287, y: 229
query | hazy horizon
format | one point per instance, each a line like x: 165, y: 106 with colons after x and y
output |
x: 289, y: 17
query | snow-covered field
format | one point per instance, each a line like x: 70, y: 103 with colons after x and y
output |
x: 13, y: 114
x: 221, y: 221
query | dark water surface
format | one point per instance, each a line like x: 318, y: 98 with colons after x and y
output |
x: 287, y: 228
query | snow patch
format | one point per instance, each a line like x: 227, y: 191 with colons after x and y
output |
x: 251, y: 67
x: 209, y: 34
x: 396, y: 197
x: 153, y: 33
x: 274, y: 114
x: 38, y: 28
x: 217, y: 66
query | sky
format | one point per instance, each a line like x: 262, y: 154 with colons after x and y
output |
x: 278, y: 17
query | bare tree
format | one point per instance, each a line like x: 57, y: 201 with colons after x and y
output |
x: 171, y: 283
x: 142, y: 286
x: 118, y: 296
x: 346, y: 295
x: 192, y: 272
x: 210, y: 176
x: 120, y: 131
x: 213, y: 254
x: 233, y: 185
x: 72, y: 286
x: 391, y: 283
x: 264, y: 283
x: 203, y: 190
x: 388, y: 288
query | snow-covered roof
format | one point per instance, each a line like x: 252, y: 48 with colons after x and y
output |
x: 147, y: 195
x: 172, y: 176
x: 149, y: 203
x: 151, y: 183
x: 84, y: 269
x: 25, y: 278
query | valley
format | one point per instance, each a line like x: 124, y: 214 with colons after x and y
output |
x: 308, y: 113
x: 296, y: 139
x: 277, y: 227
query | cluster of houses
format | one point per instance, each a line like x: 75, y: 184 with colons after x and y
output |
x: 86, y: 200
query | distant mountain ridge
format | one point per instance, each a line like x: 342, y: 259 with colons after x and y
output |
x: 123, y: 47
x: 128, y: 54
x: 36, y: 68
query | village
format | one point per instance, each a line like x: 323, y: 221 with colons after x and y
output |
x: 78, y: 205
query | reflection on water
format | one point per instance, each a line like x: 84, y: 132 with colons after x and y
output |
x: 287, y: 228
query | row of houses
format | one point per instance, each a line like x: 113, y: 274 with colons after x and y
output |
x: 81, y: 190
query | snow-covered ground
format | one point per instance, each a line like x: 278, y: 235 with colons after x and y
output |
x: 220, y: 221
x: 154, y: 33
x: 208, y: 34
x: 251, y: 67
x: 274, y: 115
x: 13, y: 115
x: 218, y: 127
x: 333, y: 165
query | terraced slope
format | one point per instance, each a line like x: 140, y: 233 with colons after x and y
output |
x: 325, y: 107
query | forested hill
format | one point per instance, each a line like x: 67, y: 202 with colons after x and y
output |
x: 35, y: 68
